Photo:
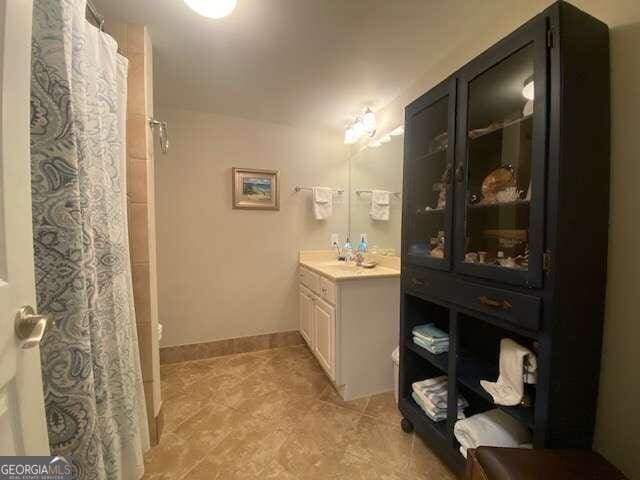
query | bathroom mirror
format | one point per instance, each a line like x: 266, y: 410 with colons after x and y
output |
x: 377, y: 168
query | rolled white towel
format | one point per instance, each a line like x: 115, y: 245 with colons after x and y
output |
x: 514, y: 360
x: 494, y: 428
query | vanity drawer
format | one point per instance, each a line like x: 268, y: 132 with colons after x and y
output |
x: 310, y: 279
x: 516, y: 308
x: 327, y: 291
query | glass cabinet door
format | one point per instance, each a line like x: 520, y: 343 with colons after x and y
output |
x: 500, y: 171
x: 428, y: 177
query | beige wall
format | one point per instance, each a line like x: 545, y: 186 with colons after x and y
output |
x: 617, y: 423
x: 620, y: 379
x: 227, y: 273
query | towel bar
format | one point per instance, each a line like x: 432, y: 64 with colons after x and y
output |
x: 297, y: 188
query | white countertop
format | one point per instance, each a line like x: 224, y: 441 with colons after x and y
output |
x: 327, y: 265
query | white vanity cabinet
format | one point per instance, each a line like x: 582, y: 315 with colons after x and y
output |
x: 351, y: 326
x: 318, y: 318
x: 324, y: 320
x: 306, y: 315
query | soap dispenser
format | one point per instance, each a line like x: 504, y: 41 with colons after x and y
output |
x: 362, y: 246
x: 348, y: 250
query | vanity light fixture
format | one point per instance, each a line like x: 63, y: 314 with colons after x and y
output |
x: 361, y: 126
x: 350, y: 135
x: 528, y: 91
x: 212, y: 8
x: 397, y: 131
x: 369, y: 122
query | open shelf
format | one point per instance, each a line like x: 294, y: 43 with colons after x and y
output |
x: 440, y: 361
x: 417, y: 415
x: 472, y: 369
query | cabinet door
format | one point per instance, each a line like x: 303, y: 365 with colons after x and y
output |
x: 324, y: 319
x: 500, y: 160
x: 306, y: 317
x: 428, y: 174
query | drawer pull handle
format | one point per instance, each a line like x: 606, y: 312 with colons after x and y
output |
x: 502, y: 304
x: 418, y: 283
x: 324, y: 290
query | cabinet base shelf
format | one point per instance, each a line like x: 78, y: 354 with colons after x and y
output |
x: 436, y: 434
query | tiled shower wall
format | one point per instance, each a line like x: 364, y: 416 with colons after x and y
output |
x: 134, y: 43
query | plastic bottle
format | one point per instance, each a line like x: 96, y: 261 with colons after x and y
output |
x: 362, y: 246
x: 348, y: 250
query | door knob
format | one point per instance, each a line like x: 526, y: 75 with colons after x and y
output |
x: 30, y: 327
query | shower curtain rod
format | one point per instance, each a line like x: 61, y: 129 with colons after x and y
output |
x: 99, y: 19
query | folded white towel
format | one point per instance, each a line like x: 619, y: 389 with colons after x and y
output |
x: 509, y: 388
x: 433, y: 412
x: 322, y: 203
x: 431, y: 383
x: 438, y: 396
x: 494, y: 428
x: 379, y: 205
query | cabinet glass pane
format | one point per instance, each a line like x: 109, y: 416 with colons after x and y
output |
x: 500, y: 123
x: 430, y: 180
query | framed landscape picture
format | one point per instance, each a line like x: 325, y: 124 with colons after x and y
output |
x: 255, y: 189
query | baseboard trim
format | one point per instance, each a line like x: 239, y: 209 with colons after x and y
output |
x: 218, y: 348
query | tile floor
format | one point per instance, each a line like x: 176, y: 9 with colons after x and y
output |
x: 274, y: 415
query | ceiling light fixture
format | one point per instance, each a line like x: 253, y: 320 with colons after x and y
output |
x: 212, y: 8
x: 528, y: 91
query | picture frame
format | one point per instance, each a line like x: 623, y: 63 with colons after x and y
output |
x: 256, y: 189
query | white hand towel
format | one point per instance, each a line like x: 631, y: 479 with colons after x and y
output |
x: 494, y: 428
x: 322, y: 203
x: 379, y: 205
x: 509, y: 388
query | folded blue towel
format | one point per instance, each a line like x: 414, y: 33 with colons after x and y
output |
x: 433, y: 349
x: 430, y: 332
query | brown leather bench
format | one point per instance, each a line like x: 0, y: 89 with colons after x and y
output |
x: 492, y: 463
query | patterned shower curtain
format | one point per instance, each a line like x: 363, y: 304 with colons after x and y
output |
x: 91, y: 368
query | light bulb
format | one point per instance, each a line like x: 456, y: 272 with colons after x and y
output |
x: 358, y: 129
x: 528, y: 91
x: 375, y: 144
x: 212, y: 8
x: 349, y: 136
x: 397, y: 131
x: 369, y: 122
x: 385, y: 138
